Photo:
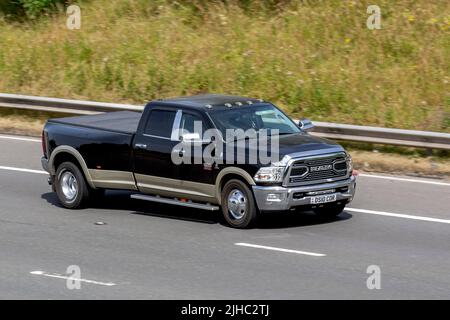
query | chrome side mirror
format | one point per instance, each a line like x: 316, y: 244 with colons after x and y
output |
x: 305, y: 124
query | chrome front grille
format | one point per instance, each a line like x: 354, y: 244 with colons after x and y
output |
x: 319, y: 169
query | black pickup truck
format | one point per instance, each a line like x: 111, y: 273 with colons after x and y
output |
x: 85, y: 155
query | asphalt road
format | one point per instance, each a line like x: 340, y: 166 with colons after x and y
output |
x: 149, y: 251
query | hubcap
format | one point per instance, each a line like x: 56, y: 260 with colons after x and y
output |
x: 237, y: 204
x: 69, y: 185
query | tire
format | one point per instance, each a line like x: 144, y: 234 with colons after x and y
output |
x: 71, y: 186
x: 238, y: 204
x: 329, y: 210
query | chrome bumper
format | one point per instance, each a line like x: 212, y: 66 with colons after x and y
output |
x: 286, y: 194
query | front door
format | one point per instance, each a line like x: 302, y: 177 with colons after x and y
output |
x: 196, y: 174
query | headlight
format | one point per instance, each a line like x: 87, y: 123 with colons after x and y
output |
x: 349, y: 163
x: 270, y: 174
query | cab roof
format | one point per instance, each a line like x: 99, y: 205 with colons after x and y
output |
x: 208, y: 101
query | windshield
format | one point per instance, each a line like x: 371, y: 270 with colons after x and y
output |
x: 254, y: 117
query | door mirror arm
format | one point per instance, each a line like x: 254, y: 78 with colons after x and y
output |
x: 305, y: 124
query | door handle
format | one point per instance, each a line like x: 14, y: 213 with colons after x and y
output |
x: 140, y: 146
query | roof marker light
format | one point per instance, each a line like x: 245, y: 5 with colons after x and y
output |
x: 228, y: 105
x: 208, y: 106
x: 239, y: 103
x: 249, y: 102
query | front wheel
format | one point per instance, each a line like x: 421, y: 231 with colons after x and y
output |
x: 330, y: 210
x: 238, y: 204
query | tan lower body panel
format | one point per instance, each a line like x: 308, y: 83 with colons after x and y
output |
x: 176, y: 188
x: 109, y: 179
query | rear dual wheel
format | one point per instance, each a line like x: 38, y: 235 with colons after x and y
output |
x: 71, y: 188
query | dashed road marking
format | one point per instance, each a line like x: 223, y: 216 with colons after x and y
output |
x: 398, y: 215
x: 314, y: 254
x: 19, y: 138
x: 60, y: 276
x: 23, y: 170
x: 404, y: 179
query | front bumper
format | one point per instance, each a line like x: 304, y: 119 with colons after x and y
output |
x: 286, y: 199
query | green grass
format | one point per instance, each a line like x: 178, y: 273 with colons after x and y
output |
x: 314, y: 59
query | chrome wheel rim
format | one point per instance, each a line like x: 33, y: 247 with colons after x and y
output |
x: 69, y: 186
x: 237, y: 204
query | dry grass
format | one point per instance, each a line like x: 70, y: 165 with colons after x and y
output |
x: 314, y: 58
x: 395, y: 163
x: 16, y: 124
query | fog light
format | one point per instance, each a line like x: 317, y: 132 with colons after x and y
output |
x: 275, y: 197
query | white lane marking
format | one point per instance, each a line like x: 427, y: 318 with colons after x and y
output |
x: 314, y: 254
x: 398, y: 215
x: 19, y: 138
x: 23, y: 170
x: 60, y: 276
x: 403, y: 179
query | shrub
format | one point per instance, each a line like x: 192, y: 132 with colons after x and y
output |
x: 29, y: 8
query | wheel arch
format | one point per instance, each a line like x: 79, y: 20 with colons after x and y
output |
x: 69, y: 153
x: 228, y: 174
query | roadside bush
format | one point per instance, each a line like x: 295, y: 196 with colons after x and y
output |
x: 29, y: 8
x: 11, y: 8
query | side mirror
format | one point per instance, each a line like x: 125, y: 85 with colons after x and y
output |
x: 305, y: 124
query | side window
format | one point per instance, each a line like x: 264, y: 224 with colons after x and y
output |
x: 160, y: 123
x: 191, y: 123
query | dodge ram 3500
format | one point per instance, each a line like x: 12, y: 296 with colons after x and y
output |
x: 85, y: 155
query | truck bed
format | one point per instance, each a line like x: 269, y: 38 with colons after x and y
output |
x: 120, y: 121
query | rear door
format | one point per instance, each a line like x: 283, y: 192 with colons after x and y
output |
x: 153, y: 145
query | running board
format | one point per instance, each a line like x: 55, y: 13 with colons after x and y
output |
x: 175, y: 201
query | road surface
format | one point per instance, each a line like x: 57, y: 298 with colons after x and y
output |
x: 130, y: 249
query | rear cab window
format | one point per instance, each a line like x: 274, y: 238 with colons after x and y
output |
x: 160, y: 123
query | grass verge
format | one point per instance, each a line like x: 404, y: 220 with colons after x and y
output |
x: 314, y: 59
